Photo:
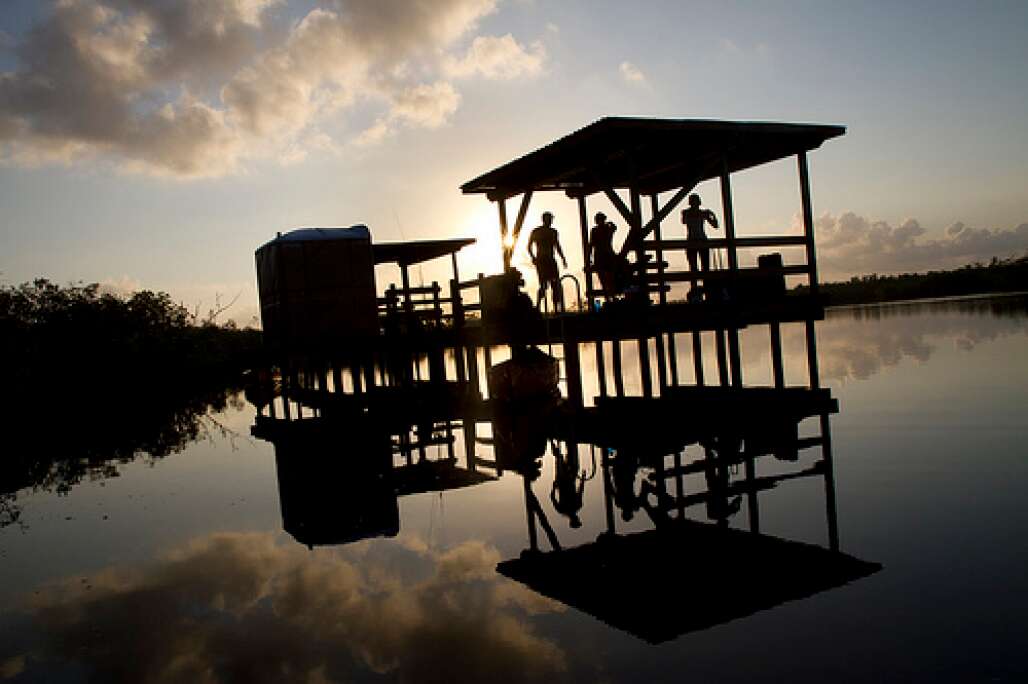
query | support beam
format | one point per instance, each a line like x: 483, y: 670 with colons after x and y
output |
x: 601, y: 369
x: 808, y: 219
x: 645, y: 372
x: 583, y: 222
x: 722, y: 357
x: 408, y: 306
x: 619, y: 378
x: 826, y: 454
x: 659, y: 256
x: 778, y: 371
x: 501, y: 207
x: 697, y: 357
x: 729, y: 219
x: 573, y: 373
x: 642, y: 231
x: 813, y: 373
x: 666, y: 210
x: 752, y: 505
x: 519, y: 222
x: 619, y: 204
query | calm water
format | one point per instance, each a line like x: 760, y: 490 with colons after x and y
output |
x: 178, y: 568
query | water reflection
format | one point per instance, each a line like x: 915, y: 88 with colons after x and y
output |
x: 850, y: 348
x: 339, y: 485
x: 40, y: 458
x: 378, y: 597
x: 246, y: 607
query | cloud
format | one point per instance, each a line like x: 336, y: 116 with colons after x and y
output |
x: 850, y: 244
x: 631, y: 73
x: 122, y: 286
x: 244, y: 607
x: 197, y: 87
x: 427, y: 105
x: 499, y: 57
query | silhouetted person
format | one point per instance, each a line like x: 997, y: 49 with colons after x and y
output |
x: 606, y: 262
x: 694, y: 219
x: 568, y: 486
x: 545, y: 241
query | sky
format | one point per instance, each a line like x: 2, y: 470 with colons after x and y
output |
x: 157, y: 143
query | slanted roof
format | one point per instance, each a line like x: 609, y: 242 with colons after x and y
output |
x: 407, y: 253
x: 650, y: 155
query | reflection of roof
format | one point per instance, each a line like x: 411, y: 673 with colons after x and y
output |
x: 407, y: 253
x: 651, y: 155
x: 663, y: 583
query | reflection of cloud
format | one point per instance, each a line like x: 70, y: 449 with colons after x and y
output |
x: 850, y: 244
x: 859, y: 342
x: 191, y: 88
x: 243, y: 607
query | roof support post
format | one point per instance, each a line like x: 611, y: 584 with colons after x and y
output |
x: 636, y: 223
x: 808, y: 220
x: 501, y: 207
x: 654, y: 225
x: 733, y: 266
x: 729, y: 216
x: 405, y: 279
x: 583, y: 222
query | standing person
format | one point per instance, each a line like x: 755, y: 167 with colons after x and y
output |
x: 694, y: 217
x: 541, y: 245
x: 605, y: 261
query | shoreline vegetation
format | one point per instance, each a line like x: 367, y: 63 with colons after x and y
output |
x: 996, y: 277
x: 93, y: 380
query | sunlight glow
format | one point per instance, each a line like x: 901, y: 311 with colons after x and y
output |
x: 485, y: 255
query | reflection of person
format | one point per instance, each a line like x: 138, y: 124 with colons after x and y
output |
x: 694, y: 219
x: 720, y: 452
x: 542, y: 244
x: 607, y: 263
x: 622, y: 475
x: 566, y: 495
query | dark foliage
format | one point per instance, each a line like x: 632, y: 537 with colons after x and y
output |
x: 93, y: 379
x: 999, y: 275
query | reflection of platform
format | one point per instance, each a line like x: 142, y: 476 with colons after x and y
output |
x: 686, y: 415
x: 690, y: 576
x: 434, y: 476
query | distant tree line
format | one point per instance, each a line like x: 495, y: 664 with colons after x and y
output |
x: 999, y: 275
x: 91, y: 379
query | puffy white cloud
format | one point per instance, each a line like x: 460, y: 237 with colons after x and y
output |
x: 631, y: 73
x: 850, y: 244
x: 499, y: 57
x: 427, y: 104
x: 193, y: 88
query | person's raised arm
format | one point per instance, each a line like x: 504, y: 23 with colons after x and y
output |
x: 711, y: 219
